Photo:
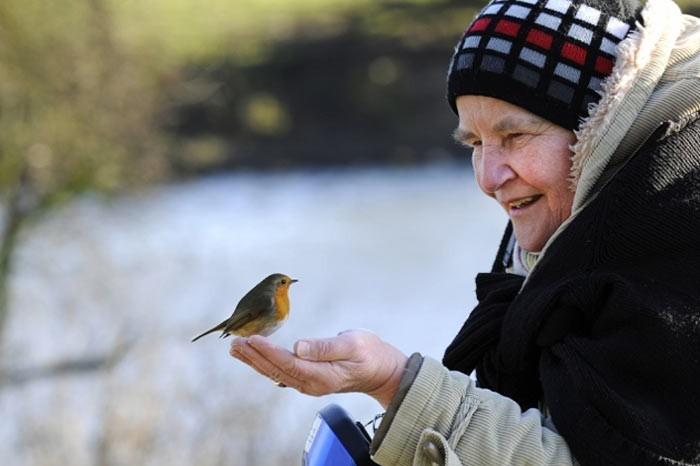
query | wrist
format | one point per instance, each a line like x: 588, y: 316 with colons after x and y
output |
x: 386, y: 391
x: 410, y: 372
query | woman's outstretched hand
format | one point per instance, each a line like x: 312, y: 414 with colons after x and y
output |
x: 353, y: 361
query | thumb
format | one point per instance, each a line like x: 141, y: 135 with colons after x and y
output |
x: 323, y: 349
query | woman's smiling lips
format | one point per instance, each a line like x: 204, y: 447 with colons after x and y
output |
x: 521, y: 203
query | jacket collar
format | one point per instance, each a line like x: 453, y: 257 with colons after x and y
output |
x: 657, y: 68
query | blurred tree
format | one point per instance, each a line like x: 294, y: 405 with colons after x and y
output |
x: 95, y: 93
x: 358, y: 84
x: 76, y: 113
x: 691, y: 7
x: 368, y: 90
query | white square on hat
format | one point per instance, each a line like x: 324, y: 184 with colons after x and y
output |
x: 581, y: 33
x: 517, y: 11
x: 471, y: 42
x: 549, y: 21
x: 588, y: 14
x: 488, y: 5
x: 567, y: 72
x: 617, y: 28
x: 499, y: 45
x: 492, y: 9
x: 531, y: 56
x: 608, y: 46
x: 562, y: 6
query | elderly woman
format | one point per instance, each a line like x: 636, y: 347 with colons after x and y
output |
x: 583, y: 119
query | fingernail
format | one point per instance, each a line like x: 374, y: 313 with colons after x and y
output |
x: 302, y: 349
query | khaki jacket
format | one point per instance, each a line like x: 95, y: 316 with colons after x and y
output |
x: 441, y: 417
x: 467, y: 425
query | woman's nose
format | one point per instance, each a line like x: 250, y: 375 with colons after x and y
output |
x: 492, y: 169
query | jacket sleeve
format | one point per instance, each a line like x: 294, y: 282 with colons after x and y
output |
x: 441, y: 417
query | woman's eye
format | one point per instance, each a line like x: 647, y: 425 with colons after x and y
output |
x: 517, y: 137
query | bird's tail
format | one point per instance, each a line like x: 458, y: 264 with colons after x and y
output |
x: 221, y: 326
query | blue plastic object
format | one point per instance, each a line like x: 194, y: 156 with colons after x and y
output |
x: 335, y: 440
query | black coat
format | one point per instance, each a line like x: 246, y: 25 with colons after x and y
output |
x: 606, y: 331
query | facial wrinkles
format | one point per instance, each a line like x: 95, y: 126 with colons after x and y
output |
x: 487, y: 130
x: 503, y: 146
x: 534, y: 140
x: 471, y: 128
x: 519, y: 156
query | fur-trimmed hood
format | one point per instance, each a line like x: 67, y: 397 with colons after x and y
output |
x: 656, y: 80
x: 655, y: 83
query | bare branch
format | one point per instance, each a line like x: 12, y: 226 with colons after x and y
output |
x: 65, y: 367
x: 15, y: 215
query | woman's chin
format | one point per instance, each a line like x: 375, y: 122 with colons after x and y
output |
x: 531, y: 241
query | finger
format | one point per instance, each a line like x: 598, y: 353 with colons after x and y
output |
x: 252, y: 365
x: 243, y: 358
x: 237, y: 345
x: 237, y: 352
x: 267, y: 368
x: 243, y: 351
x: 276, y: 355
x: 314, y: 378
x: 339, y: 348
x: 282, y: 358
x: 236, y: 349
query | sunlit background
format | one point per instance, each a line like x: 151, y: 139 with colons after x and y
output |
x: 160, y: 157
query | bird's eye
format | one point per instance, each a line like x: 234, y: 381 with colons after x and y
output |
x: 284, y: 281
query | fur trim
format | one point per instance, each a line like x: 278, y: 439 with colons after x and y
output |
x: 633, y: 54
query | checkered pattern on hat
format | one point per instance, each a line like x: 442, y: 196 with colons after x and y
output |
x: 548, y: 56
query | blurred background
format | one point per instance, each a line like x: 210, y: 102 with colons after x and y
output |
x: 160, y: 157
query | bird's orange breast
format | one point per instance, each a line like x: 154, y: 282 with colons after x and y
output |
x: 281, y: 303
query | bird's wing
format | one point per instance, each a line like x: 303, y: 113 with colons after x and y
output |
x: 249, y: 309
x: 239, y: 319
x: 257, y: 298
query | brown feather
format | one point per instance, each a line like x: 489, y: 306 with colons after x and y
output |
x: 221, y: 326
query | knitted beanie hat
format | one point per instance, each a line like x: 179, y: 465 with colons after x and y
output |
x: 547, y: 56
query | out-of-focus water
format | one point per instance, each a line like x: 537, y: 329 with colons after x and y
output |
x: 391, y: 250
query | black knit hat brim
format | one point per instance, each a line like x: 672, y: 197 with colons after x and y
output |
x: 547, y: 56
x: 504, y: 88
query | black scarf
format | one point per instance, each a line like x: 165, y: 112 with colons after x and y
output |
x: 606, y: 331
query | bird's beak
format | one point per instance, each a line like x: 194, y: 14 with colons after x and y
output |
x: 293, y: 280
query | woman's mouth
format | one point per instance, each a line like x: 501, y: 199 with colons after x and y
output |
x: 523, y: 202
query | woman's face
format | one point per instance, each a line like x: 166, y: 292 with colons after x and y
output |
x: 520, y: 160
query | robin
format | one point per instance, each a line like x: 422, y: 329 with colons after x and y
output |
x: 260, y: 312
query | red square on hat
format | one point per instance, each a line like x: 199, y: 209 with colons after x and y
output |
x: 480, y: 24
x: 574, y: 53
x: 509, y: 28
x: 539, y: 38
x: 603, y: 65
